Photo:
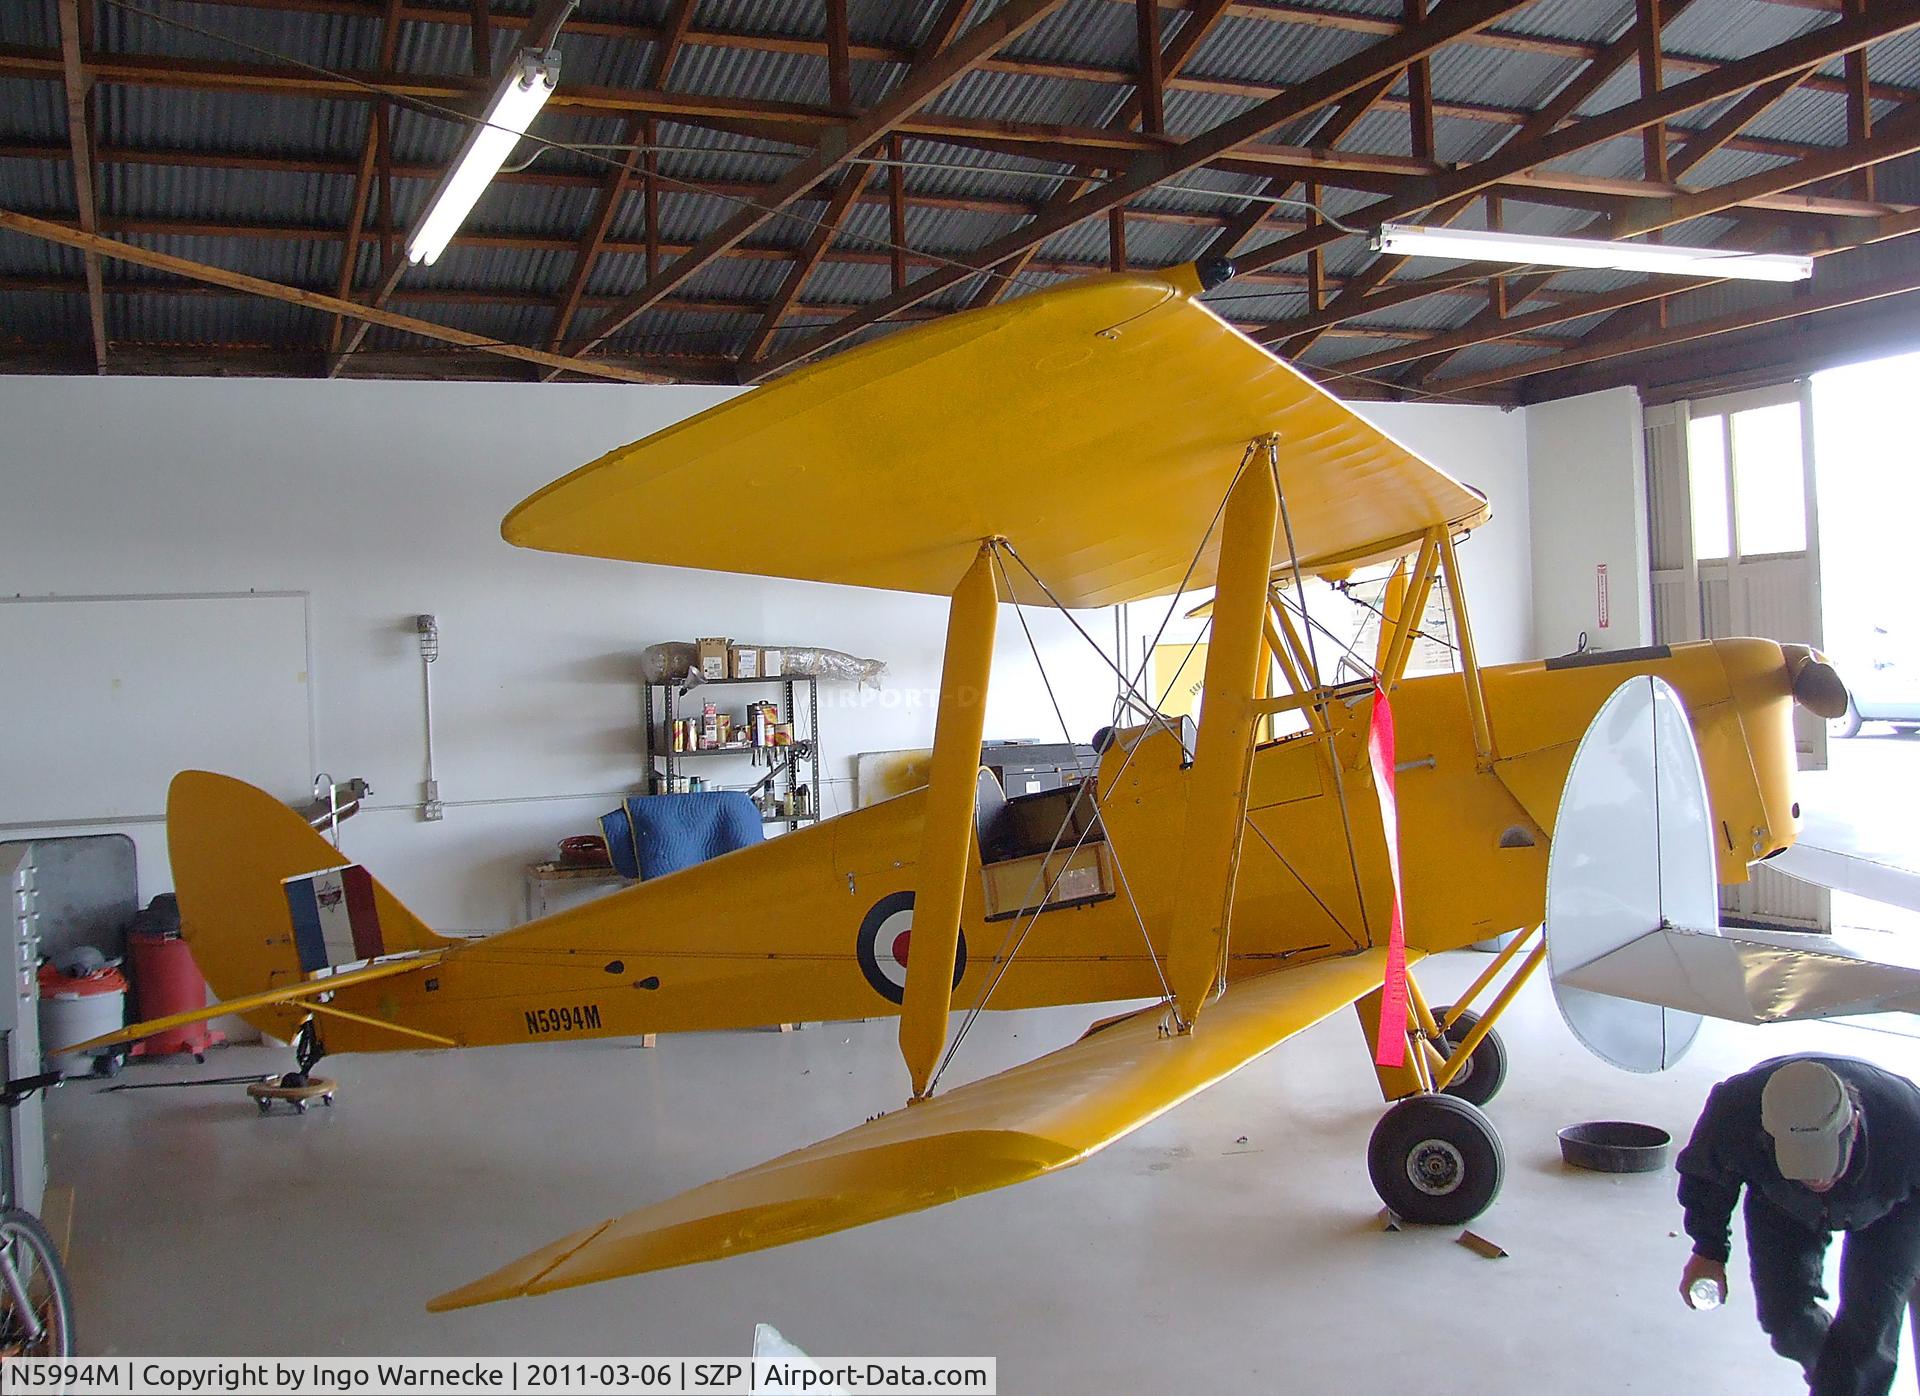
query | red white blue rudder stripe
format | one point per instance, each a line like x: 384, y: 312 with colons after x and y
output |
x: 335, y: 918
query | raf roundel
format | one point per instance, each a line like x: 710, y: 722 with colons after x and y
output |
x: 882, y: 946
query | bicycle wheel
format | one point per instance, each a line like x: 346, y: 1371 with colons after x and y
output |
x: 36, y: 1306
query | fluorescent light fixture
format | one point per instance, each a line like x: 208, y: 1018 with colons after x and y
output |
x: 1466, y: 245
x: 529, y: 81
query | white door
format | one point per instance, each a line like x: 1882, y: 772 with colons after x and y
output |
x: 1735, y: 551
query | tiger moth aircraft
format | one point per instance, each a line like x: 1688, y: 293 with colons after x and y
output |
x: 1103, y: 442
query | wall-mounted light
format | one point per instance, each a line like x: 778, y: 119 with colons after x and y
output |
x: 1467, y: 245
x: 530, y: 79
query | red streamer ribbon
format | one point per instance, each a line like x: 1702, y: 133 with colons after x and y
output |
x: 1391, y: 1045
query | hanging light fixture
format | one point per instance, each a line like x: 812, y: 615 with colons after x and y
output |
x: 1469, y: 245
x: 530, y: 79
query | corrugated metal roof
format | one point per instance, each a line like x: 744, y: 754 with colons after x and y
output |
x: 1020, y: 97
x: 229, y: 320
x: 1096, y: 32
x: 35, y: 186
x: 43, y: 318
x: 1243, y: 47
x: 1259, y: 50
x: 34, y: 26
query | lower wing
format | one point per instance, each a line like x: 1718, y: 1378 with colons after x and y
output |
x: 1038, y: 1117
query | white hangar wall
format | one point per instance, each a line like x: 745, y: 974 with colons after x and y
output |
x: 380, y: 501
x: 1487, y: 448
x: 363, y: 504
x: 1588, y: 479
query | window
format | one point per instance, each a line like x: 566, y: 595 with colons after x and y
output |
x: 1755, y: 497
x: 1707, y: 476
x: 1769, y: 489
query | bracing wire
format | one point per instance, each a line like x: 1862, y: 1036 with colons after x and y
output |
x: 1300, y: 595
x: 1016, y: 935
x: 1004, y: 960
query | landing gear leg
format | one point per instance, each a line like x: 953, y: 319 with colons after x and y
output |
x: 1436, y: 1159
x: 308, y: 1050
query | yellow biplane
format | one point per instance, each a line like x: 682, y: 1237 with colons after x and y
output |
x: 1103, y: 442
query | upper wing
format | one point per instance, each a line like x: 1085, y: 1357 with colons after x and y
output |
x: 1033, y: 1119
x: 1097, y: 426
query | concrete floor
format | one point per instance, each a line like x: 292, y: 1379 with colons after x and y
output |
x: 1179, y: 1254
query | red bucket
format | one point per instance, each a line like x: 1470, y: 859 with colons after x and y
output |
x: 167, y: 981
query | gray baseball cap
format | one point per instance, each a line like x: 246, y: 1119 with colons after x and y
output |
x: 1805, y: 1107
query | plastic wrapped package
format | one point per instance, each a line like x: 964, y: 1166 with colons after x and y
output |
x: 834, y: 664
x: 669, y: 663
x: 679, y: 662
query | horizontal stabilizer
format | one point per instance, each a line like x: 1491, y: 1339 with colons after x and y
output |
x: 1033, y: 1119
x: 1868, y: 852
x: 292, y: 993
x: 1750, y: 976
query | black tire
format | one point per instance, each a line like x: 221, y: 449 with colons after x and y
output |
x: 1485, y: 1073
x: 1847, y: 724
x: 1436, y: 1159
x: 36, y: 1262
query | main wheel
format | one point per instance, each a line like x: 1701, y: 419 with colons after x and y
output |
x: 1436, y: 1159
x: 1479, y: 1081
x: 43, y: 1327
x: 1847, y: 724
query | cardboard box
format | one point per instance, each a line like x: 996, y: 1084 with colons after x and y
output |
x: 713, y: 656
x: 746, y: 662
x: 773, y: 662
x: 1085, y: 876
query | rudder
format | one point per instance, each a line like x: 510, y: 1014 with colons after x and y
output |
x: 233, y: 848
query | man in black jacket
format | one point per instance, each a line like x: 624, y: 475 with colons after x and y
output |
x: 1821, y: 1144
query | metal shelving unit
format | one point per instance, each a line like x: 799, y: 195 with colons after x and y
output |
x: 784, y: 763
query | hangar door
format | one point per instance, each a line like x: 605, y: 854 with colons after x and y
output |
x: 1735, y: 551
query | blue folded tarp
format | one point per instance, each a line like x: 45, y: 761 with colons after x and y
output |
x: 658, y: 834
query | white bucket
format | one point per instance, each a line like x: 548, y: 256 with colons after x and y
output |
x: 74, y: 1017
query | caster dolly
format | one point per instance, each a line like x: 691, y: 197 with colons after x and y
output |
x: 295, y: 1088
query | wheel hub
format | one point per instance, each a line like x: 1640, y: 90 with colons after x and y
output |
x: 1435, y: 1167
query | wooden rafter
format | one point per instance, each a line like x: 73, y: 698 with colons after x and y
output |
x: 811, y: 253
x: 541, y: 30
x: 75, y: 85
x: 1649, y: 16
x: 1627, y: 119
x: 1179, y: 52
x: 839, y: 60
x: 638, y: 138
x: 1773, y: 312
x: 1419, y: 90
x: 846, y: 194
x: 835, y: 148
x: 1898, y: 136
x: 363, y: 178
x: 482, y: 41
x: 1335, y: 83
x: 1697, y: 148
x: 1256, y: 215
x: 1279, y: 12
x: 780, y: 120
x: 1152, y: 84
x: 1548, y: 119
x: 314, y: 300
